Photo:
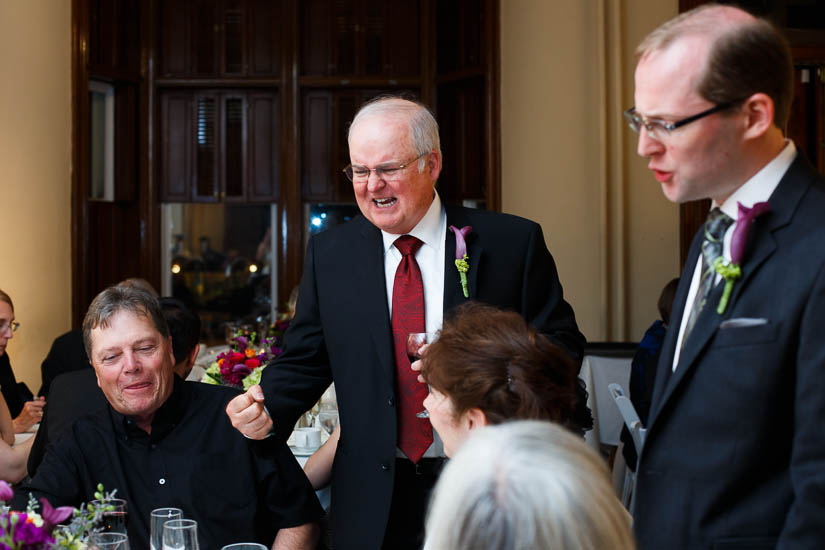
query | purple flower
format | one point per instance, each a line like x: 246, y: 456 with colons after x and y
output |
x: 739, y: 240
x: 27, y: 533
x: 460, y: 243
x: 243, y: 342
x: 6, y: 492
x: 53, y: 516
x: 461, y: 263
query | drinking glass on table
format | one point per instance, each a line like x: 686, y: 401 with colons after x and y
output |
x: 114, y: 515
x: 328, y: 418
x: 180, y: 534
x: 157, y: 518
x: 416, y: 341
x: 109, y: 541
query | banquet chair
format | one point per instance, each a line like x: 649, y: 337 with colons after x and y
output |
x: 637, y: 432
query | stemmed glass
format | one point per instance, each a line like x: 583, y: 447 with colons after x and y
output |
x: 110, y: 541
x: 114, y: 515
x: 158, y: 517
x: 180, y: 534
x: 415, y: 341
x: 328, y: 418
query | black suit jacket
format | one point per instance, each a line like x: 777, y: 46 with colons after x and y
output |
x: 67, y: 354
x: 735, y: 448
x: 341, y: 332
x: 73, y: 395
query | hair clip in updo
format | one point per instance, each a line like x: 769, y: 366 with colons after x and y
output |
x: 509, y: 378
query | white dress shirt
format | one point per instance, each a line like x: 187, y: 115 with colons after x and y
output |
x: 757, y: 189
x: 432, y: 231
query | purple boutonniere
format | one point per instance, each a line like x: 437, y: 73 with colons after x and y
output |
x: 732, y: 270
x: 461, y: 263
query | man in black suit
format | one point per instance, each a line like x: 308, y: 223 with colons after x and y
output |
x: 342, y: 330
x: 735, y: 451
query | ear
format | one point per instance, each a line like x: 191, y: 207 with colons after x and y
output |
x: 476, y: 418
x: 434, y: 165
x: 190, y: 361
x: 759, y: 115
x: 169, y: 348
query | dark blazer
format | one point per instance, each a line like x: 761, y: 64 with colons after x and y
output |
x: 73, y: 395
x: 8, y: 385
x: 67, y: 354
x: 735, y: 448
x: 341, y: 332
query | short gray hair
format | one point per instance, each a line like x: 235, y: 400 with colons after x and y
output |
x: 422, y: 124
x: 119, y: 298
x: 526, y: 484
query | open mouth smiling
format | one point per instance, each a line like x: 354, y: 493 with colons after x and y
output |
x: 384, y: 203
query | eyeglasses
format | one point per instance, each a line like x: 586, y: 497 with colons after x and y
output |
x: 387, y: 172
x: 13, y: 325
x: 658, y: 128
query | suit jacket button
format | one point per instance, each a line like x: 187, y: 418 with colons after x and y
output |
x: 385, y: 466
x: 391, y: 401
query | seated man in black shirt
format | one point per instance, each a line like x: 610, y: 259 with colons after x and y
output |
x: 164, y: 442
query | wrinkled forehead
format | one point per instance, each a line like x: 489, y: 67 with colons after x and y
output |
x: 122, y: 329
x: 388, y: 129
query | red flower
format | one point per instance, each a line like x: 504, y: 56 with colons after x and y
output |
x: 252, y: 363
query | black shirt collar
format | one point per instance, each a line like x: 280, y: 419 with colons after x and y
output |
x: 166, y: 417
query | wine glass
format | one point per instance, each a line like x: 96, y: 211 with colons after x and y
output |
x: 109, y: 541
x: 180, y: 534
x: 415, y: 341
x: 328, y: 418
x: 158, y: 517
x: 113, y: 519
x: 245, y: 546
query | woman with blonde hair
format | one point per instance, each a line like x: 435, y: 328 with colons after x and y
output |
x: 526, y: 485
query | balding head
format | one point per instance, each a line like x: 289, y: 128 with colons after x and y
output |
x: 744, y: 55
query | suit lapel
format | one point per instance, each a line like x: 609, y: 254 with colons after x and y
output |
x: 453, y: 293
x: 373, y: 294
x: 761, y: 245
x: 665, y: 365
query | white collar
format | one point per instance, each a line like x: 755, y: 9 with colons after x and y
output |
x: 762, y: 185
x: 430, y: 229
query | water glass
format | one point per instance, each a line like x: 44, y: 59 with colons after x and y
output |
x: 245, y: 546
x: 180, y: 534
x: 114, y: 515
x: 158, y: 517
x: 109, y: 541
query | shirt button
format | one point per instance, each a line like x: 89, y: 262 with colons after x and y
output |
x: 162, y: 481
x: 391, y: 401
x: 385, y: 466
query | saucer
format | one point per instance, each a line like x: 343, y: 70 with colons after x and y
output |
x: 303, y: 451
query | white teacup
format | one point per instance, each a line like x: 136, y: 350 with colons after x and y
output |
x: 307, y: 438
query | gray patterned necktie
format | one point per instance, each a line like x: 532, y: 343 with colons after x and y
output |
x: 715, y: 227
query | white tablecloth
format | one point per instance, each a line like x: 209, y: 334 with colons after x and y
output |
x: 597, y: 372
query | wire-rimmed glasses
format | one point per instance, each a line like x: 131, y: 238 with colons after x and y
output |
x: 658, y: 128
x: 390, y: 171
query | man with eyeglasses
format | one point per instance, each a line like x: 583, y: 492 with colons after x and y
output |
x: 735, y: 451
x: 353, y: 317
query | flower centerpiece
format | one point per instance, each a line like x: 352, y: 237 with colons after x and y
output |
x: 33, y: 530
x: 243, y: 363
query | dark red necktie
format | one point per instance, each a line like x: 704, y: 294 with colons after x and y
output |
x: 414, y: 434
